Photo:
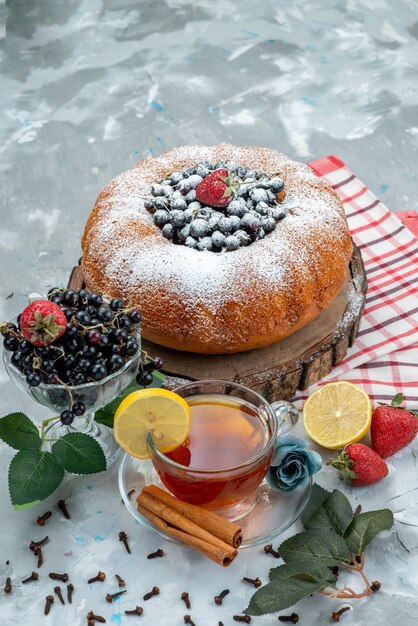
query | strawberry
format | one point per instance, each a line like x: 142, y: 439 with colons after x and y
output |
x: 393, y: 427
x: 217, y: 188
x: 359, y: 464
x: 42, y: 322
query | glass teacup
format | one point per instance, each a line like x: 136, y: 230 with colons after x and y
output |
x: 228, y: 451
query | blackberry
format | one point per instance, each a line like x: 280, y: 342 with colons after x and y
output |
x: 78, y: 408
x: 67, y: 417
x: 168, y: 231
x: 116, y: 303
x: 33, y: 379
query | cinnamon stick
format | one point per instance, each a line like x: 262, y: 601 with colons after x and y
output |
x: 228, y: 532
x: 222, y: 556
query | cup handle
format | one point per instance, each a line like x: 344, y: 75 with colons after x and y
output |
x: 287, y: 415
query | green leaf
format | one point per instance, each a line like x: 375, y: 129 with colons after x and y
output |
x: 339, y: 511
x: 313, y: 570
x: 309, y: 544
x: 365, y: 527
x: 19, y: 432
x: 279, y: 594
x: 106, y: 414
x: 318, y: 496
x: 33, y: 476
x: 397, y: 399
x: 79, y: 453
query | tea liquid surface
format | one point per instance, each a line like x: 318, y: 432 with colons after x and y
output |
x: 224, y: 432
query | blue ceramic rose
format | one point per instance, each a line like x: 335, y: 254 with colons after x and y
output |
x: 292, y: 464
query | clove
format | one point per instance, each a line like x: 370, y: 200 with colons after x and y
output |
x: 54, y: 576
x: 358, y: 510
x: 91, y: 617
x: 33, y: 576
x: 49, y: 600
x: 38, y: 552
x: 36, y: 544
x: 268, y: 549
x: 59, y: 594
x: 242, y: 618
x: 100, y: 577
x: 221, y: 596
x: 185, y: 597
x: 375, y: 586
x: 137, y: 611
x: 335, y: 616
x: 253, y: 581
x: 294, y: 618
x: 8, y: 585
x: 120, y: 581
x: 220, y: 624
x: 188, y: 620
x: 154, y: 592
x: 112, y: 596
x: 153, y: 555
x: 43, y: 518
x: 70, y: 589
x: 63, y: 508
x: 124, y: 539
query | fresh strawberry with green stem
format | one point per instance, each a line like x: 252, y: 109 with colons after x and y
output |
x: 217, y: 188
x: 359, y: 464
x: 393, y: 427
x: 42, y: 322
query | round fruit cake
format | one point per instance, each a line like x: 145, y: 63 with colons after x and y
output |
x: 223, y: 249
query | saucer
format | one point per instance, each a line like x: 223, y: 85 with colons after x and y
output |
x: 273, y: 513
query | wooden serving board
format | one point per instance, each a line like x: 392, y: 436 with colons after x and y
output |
x: 278, y: 371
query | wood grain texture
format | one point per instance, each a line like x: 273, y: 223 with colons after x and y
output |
x: 278, y: 371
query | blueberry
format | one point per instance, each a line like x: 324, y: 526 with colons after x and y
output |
x: 177, y: 218
x: 184, y: 232
x: 168, y: 231
x: 277, y: 185
x: 116, y: 303
x: 199, y: 228
x: 189, y: 214
x: 33, y: 379
x: 179, y: 204
x: 260, y: 234
x: 268, y: 223
x: 189, y: 170
x: 184, y: 186
x: 176, y: 177
x: 195, y: 206
x: 242, y: 171
x: 250, y: 222
x: 219, y: 165
x: 190, y: 242
x: 251, y: 175
x: 78, y: 408
x: 214, y: 218
x: 225, y: 224
x: 168, y: 190
x: 202, y: 171
x: 160, y: 203
x: 232, y: 242
x: 235, y: 223
x: 194, y: 181
x: 97, y: 371
x: 67, y: 417
x: 236, y: 207
x: 149, y: 204
x: 231, y: 166
x: 271, y: 196
x: 258, y: 195
x: 204, y: 244
x: 157, y: 190
x: 277, y: 213
x: 262, y: 208
x: 218, y: 239
x: 191, y: 196
x: 105, y: 314
x: 243, y: 237
x: 161, y: 217
x: 177, y: 195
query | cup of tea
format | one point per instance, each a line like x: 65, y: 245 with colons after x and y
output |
x: 229, y: 448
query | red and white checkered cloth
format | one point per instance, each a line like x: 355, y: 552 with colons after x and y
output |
x: 384, y: 358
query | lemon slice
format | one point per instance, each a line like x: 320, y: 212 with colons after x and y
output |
x: 162, y: 413
x: 337, y: 414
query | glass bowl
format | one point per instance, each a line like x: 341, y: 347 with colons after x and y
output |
x: 94, y: 395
